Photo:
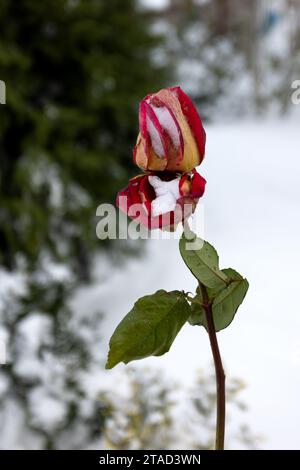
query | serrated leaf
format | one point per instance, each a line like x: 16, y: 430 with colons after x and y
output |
x: 202, y: 262
x: 227, y: 302
x: 150, y: 328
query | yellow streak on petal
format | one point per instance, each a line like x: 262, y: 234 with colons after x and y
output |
x: 141, y: 157
x: 153, y: 163
x: 191, y: 157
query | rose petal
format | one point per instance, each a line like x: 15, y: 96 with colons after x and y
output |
x: 169, y: 123
x: 152, y: 131
x: 198, y: 185
x: 140, y: 191
x: 193, y: 118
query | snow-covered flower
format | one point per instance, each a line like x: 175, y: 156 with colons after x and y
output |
x: 161, y: 201
x: 171, y: 136
x: 171, y: 143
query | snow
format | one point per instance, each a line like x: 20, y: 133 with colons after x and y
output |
x: 10, y: 284
x: 167, y: 193
x: 47, y: 410
x: 252, y: 218
x: 34, y: 331
x: 167, y: 122
x: 156, y: 139
x: 155, y: 4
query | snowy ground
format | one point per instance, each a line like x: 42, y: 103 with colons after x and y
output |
x: 251, y: 215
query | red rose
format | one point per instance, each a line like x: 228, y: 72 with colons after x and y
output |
x: 171, y: 136
x: 163, y: 200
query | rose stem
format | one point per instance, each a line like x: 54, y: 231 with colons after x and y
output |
x: 220, y: 375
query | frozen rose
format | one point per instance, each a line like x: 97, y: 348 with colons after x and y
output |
x: 161, y: 200
x: 171, y: 136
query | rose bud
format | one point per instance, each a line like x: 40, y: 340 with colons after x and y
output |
x: 171, y: 136
x: 161, y: 201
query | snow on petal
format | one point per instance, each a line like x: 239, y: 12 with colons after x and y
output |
x: 166, y: 120
x: 155, y: 138
x: 167, y: 193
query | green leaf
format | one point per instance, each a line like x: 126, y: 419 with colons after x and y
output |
x: 197, y: 316
x: 232, y: 274
x: 150, y: 328
x: 203, y: 261
x: 227, y: 302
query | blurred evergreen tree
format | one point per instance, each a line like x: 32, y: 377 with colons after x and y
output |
x: 75, y: 71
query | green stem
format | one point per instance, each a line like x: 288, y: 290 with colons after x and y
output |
x: 220, y: 375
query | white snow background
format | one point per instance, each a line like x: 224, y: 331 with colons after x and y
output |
x: 251, y: 212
